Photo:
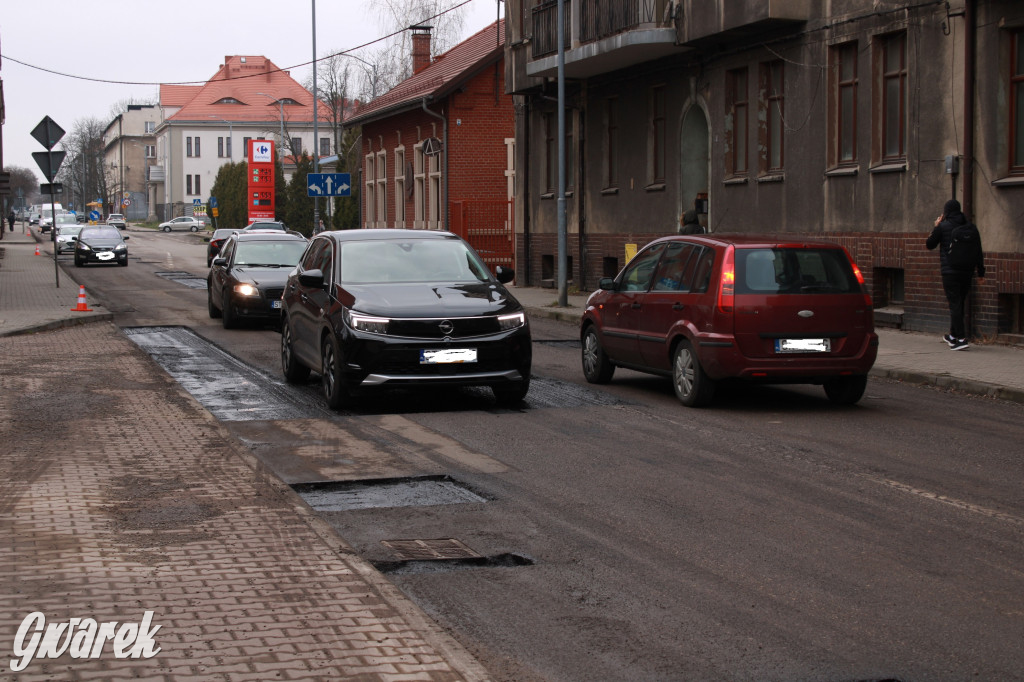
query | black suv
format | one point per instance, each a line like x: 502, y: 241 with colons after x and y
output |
x: 372, y: 309
x: 247, y: 278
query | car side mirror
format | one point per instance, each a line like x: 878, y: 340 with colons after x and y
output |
x: 504, y: 275
x: 607, y: 284
x: 220, y: 261
x: 311, y: 278
x: 126, y: 237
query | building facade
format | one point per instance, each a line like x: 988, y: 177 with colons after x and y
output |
x: 129, y: 148
x: 438, y: 149
x: 853, y: 120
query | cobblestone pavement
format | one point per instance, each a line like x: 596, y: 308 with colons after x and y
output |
x: 120, y: 495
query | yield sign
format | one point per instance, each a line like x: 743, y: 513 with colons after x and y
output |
x: 49, y: 163
x: 47, y: 132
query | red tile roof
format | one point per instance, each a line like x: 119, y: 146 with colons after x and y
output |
x: 445, y: 74
x: 242, y: 79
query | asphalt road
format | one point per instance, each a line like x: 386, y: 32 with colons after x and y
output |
x: 622, y: 536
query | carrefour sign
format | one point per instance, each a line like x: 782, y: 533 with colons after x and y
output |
x: 262, y: 151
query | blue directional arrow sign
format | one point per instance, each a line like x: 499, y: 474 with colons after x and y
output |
x: 329, y: 185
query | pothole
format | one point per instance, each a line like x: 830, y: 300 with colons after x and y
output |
x: 183, y: 277
x: 416, y: 566
x: 425, y: 491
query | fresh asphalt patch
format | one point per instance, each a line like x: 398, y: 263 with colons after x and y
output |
x: 184, y: 278
x: 234, y: 391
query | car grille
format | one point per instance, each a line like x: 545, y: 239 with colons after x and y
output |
x: 273, y: 294
x: 461, y: 327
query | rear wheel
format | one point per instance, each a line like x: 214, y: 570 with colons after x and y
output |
x: 332, y: 376
x: 294, y: 371
x: 597, y: 368
x: 194, y: 228
x: 846, y: 390
x: 693, y: 386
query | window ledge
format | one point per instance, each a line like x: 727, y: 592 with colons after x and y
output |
x: 609, y: 191
x: 842, y: 171
x: 897, y: 167
x: 1009, y: 181
x: 736, y: 181
x: 774, y: 177
x: 656, y: 187
x: 548, y: 195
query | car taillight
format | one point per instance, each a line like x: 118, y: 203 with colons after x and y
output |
x: 860, y: 278
x: 727, y: 282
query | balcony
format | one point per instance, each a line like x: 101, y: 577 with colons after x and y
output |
x: 601, y: 36
x: 156, y: 173
x: 710, y: 22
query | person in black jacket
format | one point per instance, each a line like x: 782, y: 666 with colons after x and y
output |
x: 955, y: 281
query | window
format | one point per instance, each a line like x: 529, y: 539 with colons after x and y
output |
x: 197, y: 146
x: 737, y: 122
x: 369, y: 178
x: 188, y: 184
x: 419, y: 194
x: 296, y: 146
x: 637, y: 275
x: 229, y: 146
x: 894, y: 97
x: 188, y: 146
x: 844, y: 68
x: 774, y: 111
x: 220, y: 147
x: 656, y: 136
x: 400, y: 187
x: 192, y: 184
x: 245, y: 143
x: 434, y: 171
x: 381, y: 192
x: 196, y: 187
x: 1017, y: 103
x: 325, y: 146
x: 150, y: 151
x: 150, y: 127
x: 550, y: 151
x: 611, y: 142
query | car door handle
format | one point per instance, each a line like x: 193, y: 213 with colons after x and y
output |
x: 636, y: 306
x: 678, y: 306
x: 304, y: 298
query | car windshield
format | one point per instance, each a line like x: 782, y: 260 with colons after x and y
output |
x: 115, y: 216
x: 413, y: 260
x: 266, y: 226
x: 70, y: 230
x: 794, y: 271
x: 269, y: 254
x: 100, y: 233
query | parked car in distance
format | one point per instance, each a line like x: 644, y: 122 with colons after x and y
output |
x: 706, y: 308
x: 117, y: 220
x: 247, y: 277
x: 182, y: 223
x: 216, y: 241
x: 67, y: 235
x: 373, y: 309
x: 82, y: 218
x: 101, y: 244
x: 265, y: 225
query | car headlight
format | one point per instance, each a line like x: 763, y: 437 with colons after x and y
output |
x: 83, y: 246
x: 366, y: 323
x: 513, y: 321
x: 246, y: 290
x: 121, y: 247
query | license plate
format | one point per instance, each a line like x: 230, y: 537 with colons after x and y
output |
x: 447, y: 356
x: 803, y: 345
x: 275, y: 304
x: 106, y: 255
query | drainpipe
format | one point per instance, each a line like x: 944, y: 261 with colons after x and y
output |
x: 444, y: 161
x: 969, y: 78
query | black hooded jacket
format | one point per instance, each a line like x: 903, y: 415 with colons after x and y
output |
x: 942, y: 236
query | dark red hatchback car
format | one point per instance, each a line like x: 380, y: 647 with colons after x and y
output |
x: 706, y: 308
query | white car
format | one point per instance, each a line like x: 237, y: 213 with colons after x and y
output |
x: 67, y: 235
x: 183, y: 223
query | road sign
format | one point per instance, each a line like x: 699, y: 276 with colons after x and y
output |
x: 126, y: 202
x: 54, y: 188
x: 329, y: 185
x: 47, y: 132
x: 94, y: 215
x: 431, y: 146
x: 5, y: 182
x: 49, y: 163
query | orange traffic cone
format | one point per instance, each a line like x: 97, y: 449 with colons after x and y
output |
x: 82, y: 307
x: 37, y: 250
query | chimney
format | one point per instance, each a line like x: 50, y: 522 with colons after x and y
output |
x: 420, y: 47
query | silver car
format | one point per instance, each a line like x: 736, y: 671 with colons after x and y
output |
x: 183, y: 223
x: 67, y: 235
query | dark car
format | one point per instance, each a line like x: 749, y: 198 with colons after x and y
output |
x: 373, y: 309
x: 265, y: 225
x: 247, y: 278
x: 101, y: 244
x: 216, y: 241
x: 701, y: 309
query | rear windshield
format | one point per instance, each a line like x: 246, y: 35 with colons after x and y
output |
x: 794, y: 271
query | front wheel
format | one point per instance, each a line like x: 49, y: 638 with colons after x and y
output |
x: 511, y: 395
x: 167, y: 228
x: 230, y: 320
x: 332, y: 375
x: 211, y: 308
x: 693, y: 386
x: 846, y: 390
x: 294, y: 371
x: 597, y: 368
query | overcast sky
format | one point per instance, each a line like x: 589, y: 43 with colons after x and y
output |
x: 150, y: 43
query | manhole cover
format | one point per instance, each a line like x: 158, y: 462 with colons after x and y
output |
x: 427, y: 491
x: 430, y: 550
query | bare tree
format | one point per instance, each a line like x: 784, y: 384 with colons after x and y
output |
x: 83, y: 171
x: 446, y: 24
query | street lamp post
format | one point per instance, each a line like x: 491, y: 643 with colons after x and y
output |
x: 281, y: 104
x: 230, y: 146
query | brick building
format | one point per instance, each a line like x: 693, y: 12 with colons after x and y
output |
x: 438, y: 149
x: 853, y: 121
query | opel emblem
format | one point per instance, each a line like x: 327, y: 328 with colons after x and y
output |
x: 446, y: 327
x: 806, y: 313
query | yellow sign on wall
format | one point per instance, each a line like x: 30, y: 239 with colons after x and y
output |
x: 630, y: 252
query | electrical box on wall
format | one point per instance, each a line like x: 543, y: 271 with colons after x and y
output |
x: 952, y: 164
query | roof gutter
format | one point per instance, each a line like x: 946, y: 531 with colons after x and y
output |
x: 444, y: 160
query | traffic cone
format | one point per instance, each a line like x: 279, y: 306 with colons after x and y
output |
x: 37, y: 250
x: 81, y: 307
